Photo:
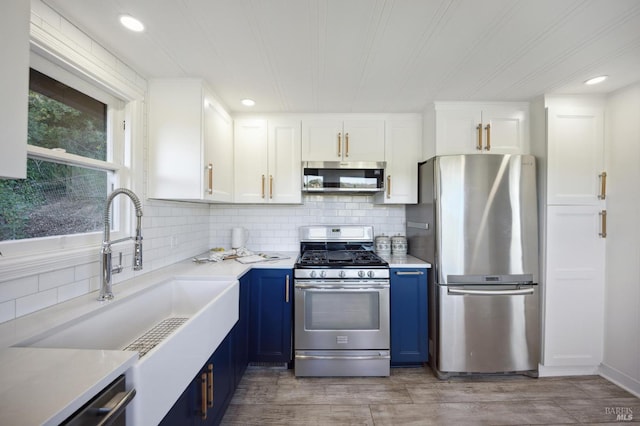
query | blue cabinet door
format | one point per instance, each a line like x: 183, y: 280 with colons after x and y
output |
x: 270, y: 315
x: 241, y: 330
x: 408, y: 316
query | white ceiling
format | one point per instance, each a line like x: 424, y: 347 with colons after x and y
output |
x: 372, y: 55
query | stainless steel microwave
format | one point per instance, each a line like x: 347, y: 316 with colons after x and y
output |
x: 337, y: 176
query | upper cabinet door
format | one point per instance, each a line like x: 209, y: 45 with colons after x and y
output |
x: 473, y: 128
x: 363, y: 140
x: 338, y: 140
x: 190, y: 143
x: 251, y: 165
x: 218, y: 128
x: 14, y: 86
x: 322, y: 140
x: 285, y: 164
x: 506, y: 130
x: 402, y: 149
x: 575, y: 147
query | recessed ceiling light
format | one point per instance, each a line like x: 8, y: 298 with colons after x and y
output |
x: 596, y: 80
x: 248, y: 102
x: 131, y: 23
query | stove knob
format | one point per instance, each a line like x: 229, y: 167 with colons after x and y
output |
x: 371, y: 274
x: 342, y: 274
x: 323, y: 274
x: 361, y: 274
x: 313, y: 274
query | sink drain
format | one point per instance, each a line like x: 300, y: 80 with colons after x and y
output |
x: 157, y: 334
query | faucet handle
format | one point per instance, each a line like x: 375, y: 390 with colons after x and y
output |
x: 117, y: 269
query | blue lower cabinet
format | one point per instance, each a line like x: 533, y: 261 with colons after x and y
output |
x: 241, y: 330
x: 270, y: 318
x: 409, y: 336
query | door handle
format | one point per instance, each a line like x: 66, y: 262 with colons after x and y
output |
x: 286, y: 289
x: 479, y: 129
x: 603, y: 186
x: 603, y: 224
x: 210, y: 168
x: 262, y: 186
x: 339, y: 144
x: 203, y: 399
x: 522, y: 291
x: 346, y: 144
x: 488, y: 129
x: 409, y: 272
x: 388, y: 186
x: 270, y: 186
x: 210, y: 385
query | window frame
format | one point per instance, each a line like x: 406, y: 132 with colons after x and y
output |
x: 20, y: 258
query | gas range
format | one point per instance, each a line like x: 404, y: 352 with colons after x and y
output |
x: 340, y: 252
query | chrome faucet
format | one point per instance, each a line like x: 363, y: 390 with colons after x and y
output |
x: 106, y: 266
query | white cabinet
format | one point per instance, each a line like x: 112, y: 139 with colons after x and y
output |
x: 268, y: 167
x: 469, y: 128
x: 335, y: 139
x: 576, y: 156
x: 14, y: 86
x: 575, y: 215
x: 574, y: 287
x: 190, y: 143
x: 402, y: 150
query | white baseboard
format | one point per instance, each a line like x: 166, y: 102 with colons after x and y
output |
x: 621, y: 379
x: 553, y: 371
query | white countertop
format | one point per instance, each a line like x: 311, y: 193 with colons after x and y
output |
x: 45, y: 386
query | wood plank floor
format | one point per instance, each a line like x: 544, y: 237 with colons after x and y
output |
x: 413, y: 396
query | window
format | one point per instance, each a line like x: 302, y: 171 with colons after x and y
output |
x: 73, y: 151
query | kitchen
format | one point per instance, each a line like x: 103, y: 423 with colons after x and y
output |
x: 176, y: 231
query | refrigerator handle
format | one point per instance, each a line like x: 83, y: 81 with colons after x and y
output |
x: 419, y: 225
x: 516, y: 292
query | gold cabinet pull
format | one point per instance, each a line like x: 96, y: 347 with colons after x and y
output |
x: 286, y: 289
x: 210, y: 169
x: 603, y: 224
x: 339, y: 144
x: 270, y: 186
x: 388, y: 186
x: 203, y: 400
x: 603, y: 186
x: 346, y: 144
x: 488, y: 144
x: 479, y: 129
x: 262, y: 186
x: 210, y: 385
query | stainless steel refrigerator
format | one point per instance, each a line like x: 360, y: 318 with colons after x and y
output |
x: 476, y: 222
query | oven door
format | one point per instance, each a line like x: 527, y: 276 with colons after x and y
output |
x: 335, y: 315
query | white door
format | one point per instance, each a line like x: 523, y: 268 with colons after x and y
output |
x: 574, y: 287
x: 285, y: 163
x: 363, y: 140
x: 575, y: 155
x: 218, y: 128
x: 505, y: 130
x: 322, y: 140
x: 457, y: 131
x: 250, y: 161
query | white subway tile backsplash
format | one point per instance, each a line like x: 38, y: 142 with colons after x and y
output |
x: 7, y: 310
x: 18, y: 288
x: 54, y: 279
x: 35, y: 302
x: 70, y: 291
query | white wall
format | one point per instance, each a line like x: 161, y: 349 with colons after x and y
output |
x: 622, y: 296
x: 275, y: 227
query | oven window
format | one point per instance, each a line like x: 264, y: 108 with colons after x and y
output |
x: 339, y: 310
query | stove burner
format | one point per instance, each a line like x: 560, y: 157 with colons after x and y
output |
x: 339, y: 258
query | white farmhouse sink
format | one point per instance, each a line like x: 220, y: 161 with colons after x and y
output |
x: 207, y: 308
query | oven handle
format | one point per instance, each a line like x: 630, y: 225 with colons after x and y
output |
x: 342, y: 286
x: 381, y: 356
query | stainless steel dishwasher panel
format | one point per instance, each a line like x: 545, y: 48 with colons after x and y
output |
x: 488, y: 329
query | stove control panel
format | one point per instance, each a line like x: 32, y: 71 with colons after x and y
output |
x: 343, y: 273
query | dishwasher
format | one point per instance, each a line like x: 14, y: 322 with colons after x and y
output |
x: 105, y: 409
